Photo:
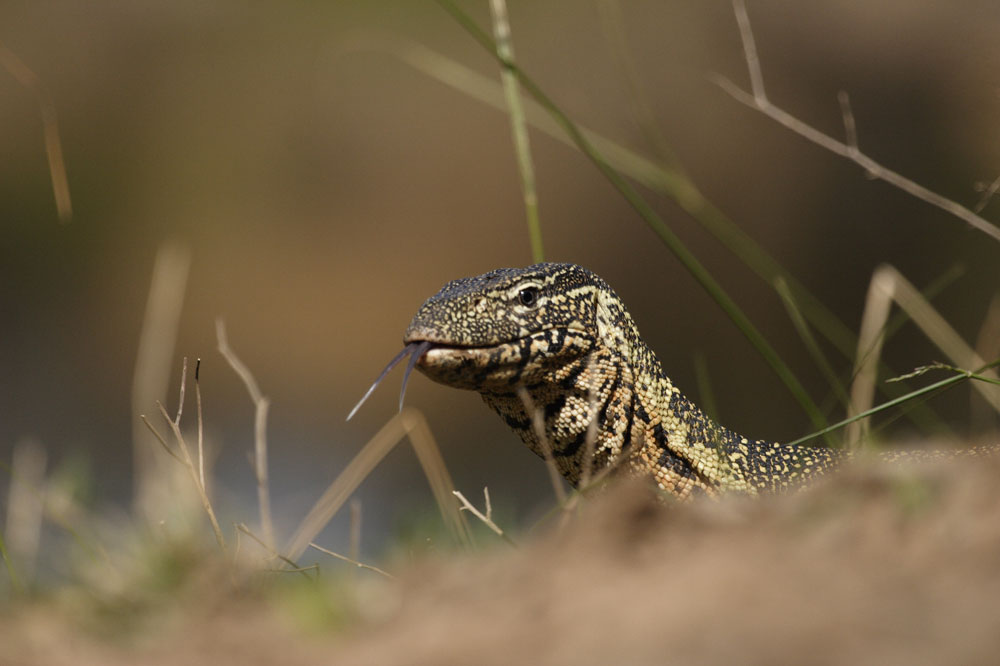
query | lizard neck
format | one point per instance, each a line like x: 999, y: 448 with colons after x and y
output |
x: 643, y: 425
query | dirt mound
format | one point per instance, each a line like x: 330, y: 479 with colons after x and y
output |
x: 886, y: 564
x: 883, y: 565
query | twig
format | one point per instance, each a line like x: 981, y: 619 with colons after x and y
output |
x: 50, y: 130
x: 518, y: 126
x: 301, y: 570
x: 185, y: 456
x: 161, y: 440
x: 757, y: 100
x: 360, y: 565
x: 201, y: 429
x: 261, y: 405
x: 486, y: 519
x: 242, y: 527
x: 988, y: 192
x: 180, y: 399
x: 189, y: 464
x: 750, y: 53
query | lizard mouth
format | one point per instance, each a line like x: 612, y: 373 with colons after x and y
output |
x: 484, y: 368
x: 428, y: 355
x: 415, y: 350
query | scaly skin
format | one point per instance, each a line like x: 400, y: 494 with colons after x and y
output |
x: 560, y: 332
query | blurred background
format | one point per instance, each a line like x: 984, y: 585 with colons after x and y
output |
x: 323, y: 188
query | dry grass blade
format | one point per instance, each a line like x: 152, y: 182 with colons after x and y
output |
x: 988, y: 346
x: 758, y: 100
x: 870, y: 339
x: 988, y: 340
x: 429, y: 455
x: 50, y: 129
x: 354, y: 530
x: 408, y: 423
x: 25, y: 507
x: 889, y: 285
x: 160, y: 439
x: 261, y: 406
x: 351, y: 560
x: 154, y: 484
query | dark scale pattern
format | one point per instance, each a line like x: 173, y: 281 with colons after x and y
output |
x: 562, y: 333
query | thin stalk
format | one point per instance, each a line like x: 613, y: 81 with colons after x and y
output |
x: 518, y: 124
x: 961, y: 375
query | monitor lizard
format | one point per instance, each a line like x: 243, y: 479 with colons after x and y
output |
x: 555, y: 340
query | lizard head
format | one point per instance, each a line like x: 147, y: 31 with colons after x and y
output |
x: 510, y: 326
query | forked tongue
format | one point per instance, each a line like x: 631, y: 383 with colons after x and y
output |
x: 414, y: 350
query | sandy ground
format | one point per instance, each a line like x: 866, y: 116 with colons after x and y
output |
x: 888, y: 565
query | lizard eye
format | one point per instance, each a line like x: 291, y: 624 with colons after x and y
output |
x: 528, y: 296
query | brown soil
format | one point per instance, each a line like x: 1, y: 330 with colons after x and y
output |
x: 888, y: 565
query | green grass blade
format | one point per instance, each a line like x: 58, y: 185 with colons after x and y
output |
x: 944, y: 383
x: 518, y: 125
x: 959, y: 376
